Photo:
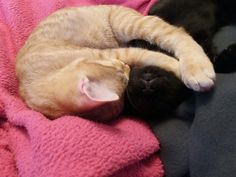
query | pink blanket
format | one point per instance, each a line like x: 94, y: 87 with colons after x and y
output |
x: 33, y: 146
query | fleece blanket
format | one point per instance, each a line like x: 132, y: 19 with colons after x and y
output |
x: 199, y: 139
x: 33, y: 146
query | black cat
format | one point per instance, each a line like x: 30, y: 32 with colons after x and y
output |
x: 153, y: 91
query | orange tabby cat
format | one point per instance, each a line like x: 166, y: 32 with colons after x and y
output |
x: 75, y: 60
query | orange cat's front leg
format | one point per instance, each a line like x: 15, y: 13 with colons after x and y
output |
x: 196, y: 69
x: 143, y: 57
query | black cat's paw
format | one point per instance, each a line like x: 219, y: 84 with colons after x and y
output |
x: 225, y: 62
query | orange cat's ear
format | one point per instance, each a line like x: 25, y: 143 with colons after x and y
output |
x: 96, y: 91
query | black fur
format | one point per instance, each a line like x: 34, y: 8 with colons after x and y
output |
x: 154, y: 91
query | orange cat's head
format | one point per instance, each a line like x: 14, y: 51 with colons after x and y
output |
x: 102, y: 82
x: 81, y: 87
x: 103, y: 79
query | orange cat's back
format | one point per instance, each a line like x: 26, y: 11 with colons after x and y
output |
x: 83, y: 26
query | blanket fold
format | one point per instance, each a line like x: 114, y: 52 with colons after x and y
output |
x: 33, y: 146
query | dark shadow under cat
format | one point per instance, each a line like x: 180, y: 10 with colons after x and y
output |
x: 154, y: 91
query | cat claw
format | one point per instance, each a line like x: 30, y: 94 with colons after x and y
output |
x: 200, y: 78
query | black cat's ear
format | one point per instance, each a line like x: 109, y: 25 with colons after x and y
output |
x: 225, y: 62
x: 96, y: 91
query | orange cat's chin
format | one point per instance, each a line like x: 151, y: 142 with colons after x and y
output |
x: 104, y: 111
x: 87, y: 104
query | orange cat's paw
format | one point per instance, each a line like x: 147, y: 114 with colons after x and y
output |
x: 198, y: 75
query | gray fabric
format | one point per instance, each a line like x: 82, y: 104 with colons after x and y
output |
x: 173, y: 133
x: 174, y: 137
x: 200, y: 139
x: 212, y: 147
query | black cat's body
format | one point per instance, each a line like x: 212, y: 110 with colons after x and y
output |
x: 201, y: 19
x: 197, y: 17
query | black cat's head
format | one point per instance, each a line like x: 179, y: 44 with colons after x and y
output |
x: 154, y: 91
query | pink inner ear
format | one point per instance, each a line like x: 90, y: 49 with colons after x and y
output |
x: 96, y: 91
